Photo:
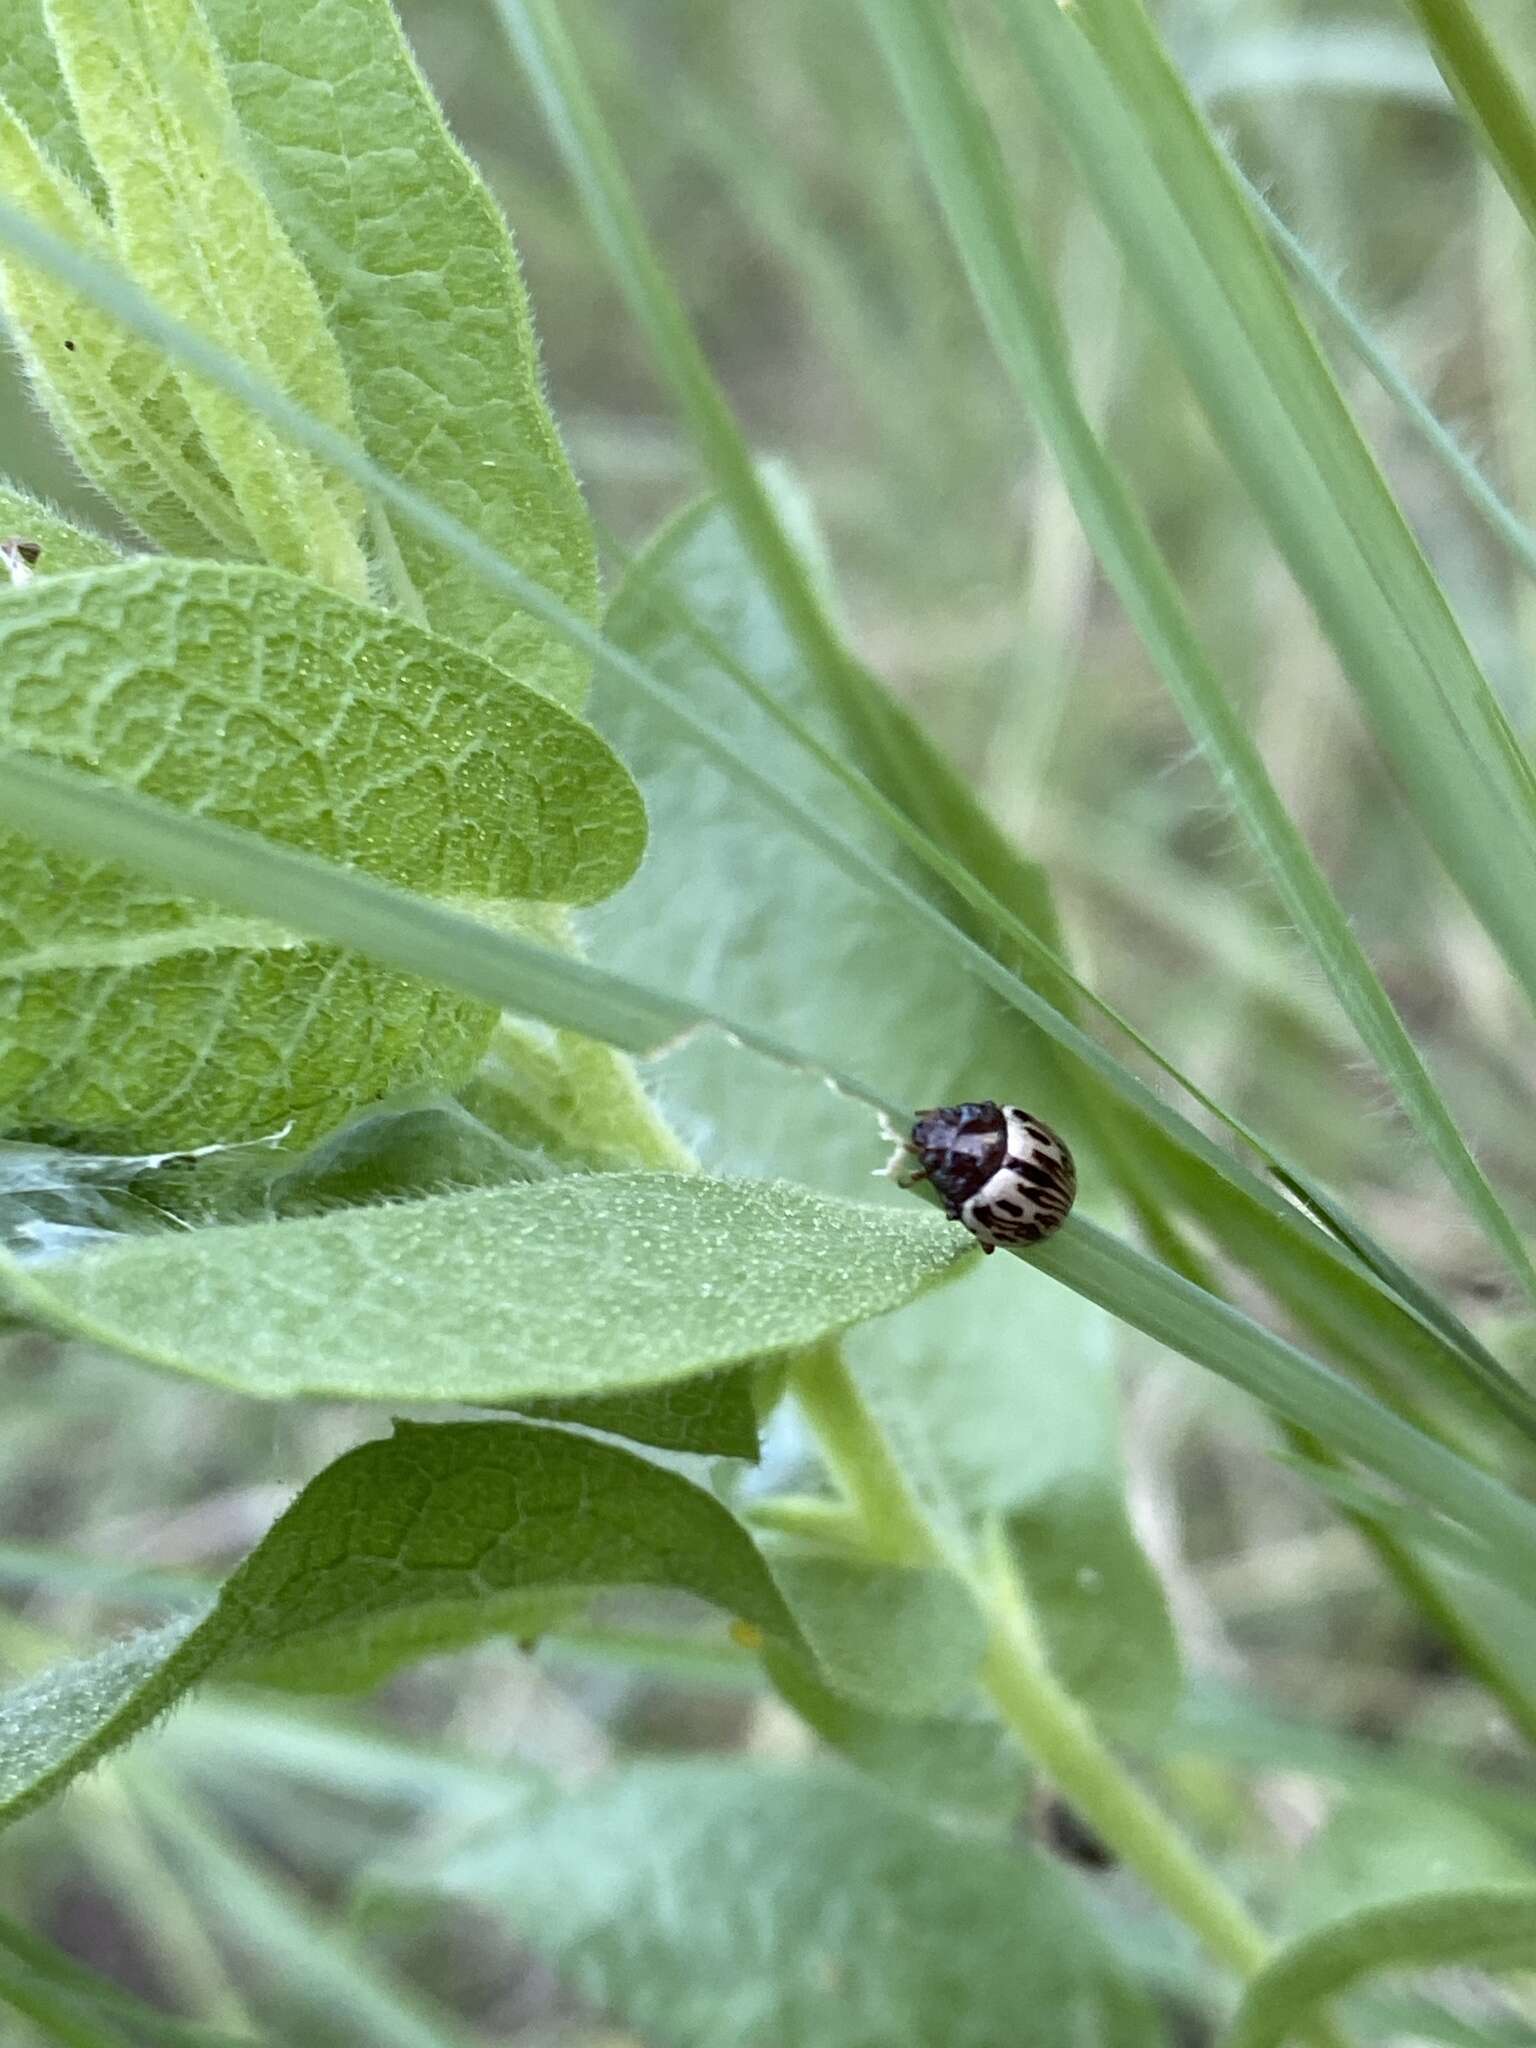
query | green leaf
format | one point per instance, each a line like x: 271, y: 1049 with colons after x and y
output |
x: 1000, y: 1389
x: 1488, y: 1929
x: 585, y: 1285
x: 31, y: 83
x: 430, y: 1539
x: 713, y: 1415
x: 948, y: 1760
x: 134, y: 1014
x: 65, y: 546
x: 194, y: 228
x: 114, y: 400
x: 710, y: 1902
x: 907, y: 1640
x: 424, y: 296
x: 1383, y: 1844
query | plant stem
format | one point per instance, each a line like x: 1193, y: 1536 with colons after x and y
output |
x: 1047, y: 1721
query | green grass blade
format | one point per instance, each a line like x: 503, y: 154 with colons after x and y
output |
x: 1502, y: 521
x: 968, y: 176
x: 1177, y: 1313
x: 79, y: 814
x: 543, y: 46
x: 1488, y: 94
x: 1189, y: 240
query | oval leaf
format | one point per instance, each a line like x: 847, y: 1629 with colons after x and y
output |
x: 589, y: 1284
x: 144, y: 1018
x: 431, y: 1539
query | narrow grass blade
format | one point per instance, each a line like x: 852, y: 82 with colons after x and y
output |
x: 1488, y: 94
x: 1176, y: 1313
x: 79, y: 814
x: 1164, y: 189
x: 1502, y: 521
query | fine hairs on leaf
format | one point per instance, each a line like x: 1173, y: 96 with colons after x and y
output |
x: 242, y: 694
x: 437, y: 1536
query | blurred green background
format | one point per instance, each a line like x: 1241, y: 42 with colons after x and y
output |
x: 777, y: 176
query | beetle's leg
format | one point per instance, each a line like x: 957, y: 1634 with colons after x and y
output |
x: 910, y: 1180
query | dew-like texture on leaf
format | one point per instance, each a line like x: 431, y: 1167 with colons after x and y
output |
x: 729, y: 1905
x: 590, y: 1284
x: 146, y: 1020
x: 729, y: 912
x: 438, y: 1536
x: 422, y: 290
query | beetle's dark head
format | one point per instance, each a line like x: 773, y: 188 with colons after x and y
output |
x: 960, y: 1147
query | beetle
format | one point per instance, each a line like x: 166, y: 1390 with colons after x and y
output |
x: 1001, y: 1172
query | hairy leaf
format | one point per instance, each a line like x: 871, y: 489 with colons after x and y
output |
x: 423, y: 293
x: 585, y: 1285
x: 140, y: 1016
x: 113, y: 398
x: 194, y: 229
x: 425, y: 1541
